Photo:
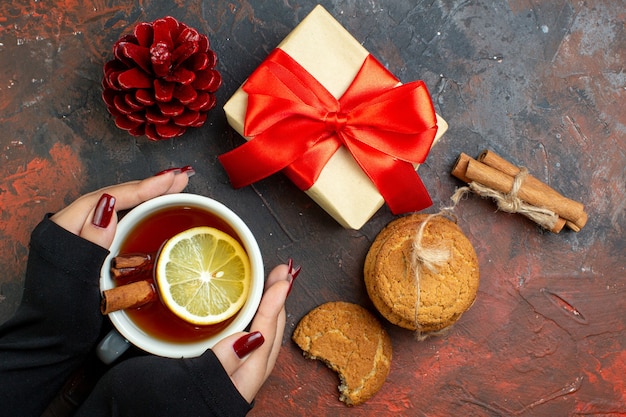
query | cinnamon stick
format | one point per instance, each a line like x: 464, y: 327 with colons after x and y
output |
x: 126, y: 265
x: 131, y: 295
x: 460, y: 166
x: 498, y: 174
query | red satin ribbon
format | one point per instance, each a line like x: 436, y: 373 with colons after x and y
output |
x: 296, y: 125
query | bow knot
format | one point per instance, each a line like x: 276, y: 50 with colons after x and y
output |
x: 296, y: 125
x: 335, y: 121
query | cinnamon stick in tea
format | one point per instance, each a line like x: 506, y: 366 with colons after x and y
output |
x: 126, y: 265
x: 131, y: 295
x: 501, y: 177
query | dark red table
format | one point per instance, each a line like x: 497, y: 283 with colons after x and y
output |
x: 540, y: 82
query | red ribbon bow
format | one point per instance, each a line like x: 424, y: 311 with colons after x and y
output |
x: 296, y: 125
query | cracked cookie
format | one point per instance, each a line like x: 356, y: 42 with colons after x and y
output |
x: 445, y: 293
x: 351, y: 342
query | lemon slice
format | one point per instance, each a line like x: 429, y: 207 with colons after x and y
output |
x: 203, y: 275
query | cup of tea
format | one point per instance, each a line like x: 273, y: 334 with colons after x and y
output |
x: 152, y: 327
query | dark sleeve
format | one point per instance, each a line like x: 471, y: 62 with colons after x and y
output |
x: 151, y: 386
x: 57, y: 323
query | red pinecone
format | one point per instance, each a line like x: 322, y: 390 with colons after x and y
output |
x: 162, y: 79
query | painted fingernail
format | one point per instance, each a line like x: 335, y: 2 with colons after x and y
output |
x: 247, y: 343
x: 104, y: 211
x: 165, y: 171
x: 187, y: 169
x: 293, y: 274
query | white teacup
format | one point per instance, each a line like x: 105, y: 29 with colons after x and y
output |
x: 126, y: 331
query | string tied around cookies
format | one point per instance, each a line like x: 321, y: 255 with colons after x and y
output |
x: 427, y: 257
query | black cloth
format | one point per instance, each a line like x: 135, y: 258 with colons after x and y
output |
x: 56, y: 328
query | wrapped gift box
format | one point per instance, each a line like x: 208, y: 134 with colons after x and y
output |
x: 328, y: 52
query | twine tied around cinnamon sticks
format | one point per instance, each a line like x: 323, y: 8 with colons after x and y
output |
x: 511, y: 203
x: 516, y: 191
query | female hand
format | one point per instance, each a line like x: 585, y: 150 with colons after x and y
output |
x: 93, y: 216
x: 249, y: 358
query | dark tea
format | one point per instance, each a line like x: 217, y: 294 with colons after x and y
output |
x: 147, y: 237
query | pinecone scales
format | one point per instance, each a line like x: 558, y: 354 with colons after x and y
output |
x: 162, y: 79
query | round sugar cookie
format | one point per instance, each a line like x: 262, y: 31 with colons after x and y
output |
x: 351, y: 342
x: 444, y: 294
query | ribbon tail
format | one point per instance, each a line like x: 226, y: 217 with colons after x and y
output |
x: 415, y: 197
x: 305, y: 171
x: 396, y: 180
x: 242, y: 166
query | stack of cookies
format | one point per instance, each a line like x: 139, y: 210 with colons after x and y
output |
x: 444, y: 292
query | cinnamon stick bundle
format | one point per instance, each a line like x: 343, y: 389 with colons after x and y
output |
x: 494, y: 173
